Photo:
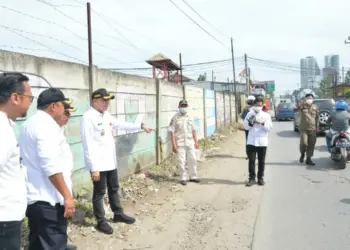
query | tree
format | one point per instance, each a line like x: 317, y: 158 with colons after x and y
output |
x: 202, y: 78
x: 325, y: 89
x: 347, y: 77
x: 347, y: 95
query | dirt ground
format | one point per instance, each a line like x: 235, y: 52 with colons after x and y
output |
x: 217, y: 214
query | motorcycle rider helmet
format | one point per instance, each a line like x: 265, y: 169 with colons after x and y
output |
x: 341, y: 105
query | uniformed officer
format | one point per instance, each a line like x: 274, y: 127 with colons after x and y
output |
x: 15, y: 99
x: 50, y: 200
x: 309, y: 126
x: 97, y: 126
x: 184, y: 141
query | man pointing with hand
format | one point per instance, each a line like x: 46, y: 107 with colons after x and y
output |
x: 100, y: 157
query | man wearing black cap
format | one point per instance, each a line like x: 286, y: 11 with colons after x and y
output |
x: 184, y: 140
x: 309, y: 126
x: 50, y: 200
x: 100, y: 157
x: 15, y: 100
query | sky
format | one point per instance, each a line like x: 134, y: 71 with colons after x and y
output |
x: 273, y: 30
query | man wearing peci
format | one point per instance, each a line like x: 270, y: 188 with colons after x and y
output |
x: 97, y: 125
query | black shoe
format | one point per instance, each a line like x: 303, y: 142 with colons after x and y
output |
x: 250, y: 183
x: 301, y: 159
x: 123, y: 218
x: 71, y: 247
x: 310, y: 162
x: 261, y: 182
x: 104, y: 227
x: 195, y: 180
x: 183, y: 183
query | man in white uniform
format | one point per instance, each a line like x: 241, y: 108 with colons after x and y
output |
x: 100, y: 157
x: 259, y: 125
x: 50, y: 200
x: 184, y: 141
x: 15, y: 99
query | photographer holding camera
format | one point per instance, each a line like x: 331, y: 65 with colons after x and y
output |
x: 259, y: 124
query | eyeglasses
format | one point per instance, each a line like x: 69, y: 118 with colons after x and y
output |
x: 29, y: 96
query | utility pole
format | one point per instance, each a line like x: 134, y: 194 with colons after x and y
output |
x: 246, y: 73
x: 343, y: 76
x: 212, y: 80
x: 90, y: 49
x: 181, y: 80
x: 234, y: 80
x: 347, y: 41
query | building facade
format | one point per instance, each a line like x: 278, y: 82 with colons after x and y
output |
x: 309, y: 72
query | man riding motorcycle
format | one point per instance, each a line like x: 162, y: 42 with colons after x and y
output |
x: 338, y: 121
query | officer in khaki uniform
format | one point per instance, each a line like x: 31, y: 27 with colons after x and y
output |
x: 309, y: 126
x: 184, y: 140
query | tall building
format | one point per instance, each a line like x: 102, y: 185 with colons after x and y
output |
x: 309, y: 70
x: 331, y: 61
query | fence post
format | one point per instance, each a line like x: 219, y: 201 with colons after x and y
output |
x: 205, y: 115
x: 230, y: 101
x: 216, y: 112
x: 223, y: 97
x: 158, y: 113
x: 184, y: 92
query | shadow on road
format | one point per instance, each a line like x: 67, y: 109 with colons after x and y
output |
x: 209, y: 181
x: 288, y: 134
x: 345, y: 201
x: 293, y: 163
x: 225, y: 156
x: 322, y: 164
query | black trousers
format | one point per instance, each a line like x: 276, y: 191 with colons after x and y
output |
x: 10, y: 235
x: 252, y: 152
x: 47, y: 226
x: 110, y: 180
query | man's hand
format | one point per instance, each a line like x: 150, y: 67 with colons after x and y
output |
x: 196, y: 145
x: 95, y: 176
x: 69, y: 208
x: 148, y: 130
x: 175, y: 149
x: 317, y: 130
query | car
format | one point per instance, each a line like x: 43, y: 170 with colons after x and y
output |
x: 285, y: 111
x: 325, y: 108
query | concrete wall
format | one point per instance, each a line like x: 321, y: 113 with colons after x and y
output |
x: 210, y: 112
x: 136, y: 101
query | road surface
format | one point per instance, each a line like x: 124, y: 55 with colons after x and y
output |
x: 302, y: 207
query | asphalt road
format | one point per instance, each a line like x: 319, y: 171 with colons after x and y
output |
x: 302, y: 207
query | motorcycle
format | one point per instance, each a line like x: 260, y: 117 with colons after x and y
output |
x: 340, y: 148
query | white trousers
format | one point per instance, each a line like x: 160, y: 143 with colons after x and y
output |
x: 187, y: 155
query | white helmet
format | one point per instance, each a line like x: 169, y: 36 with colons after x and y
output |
x: 251, y: 98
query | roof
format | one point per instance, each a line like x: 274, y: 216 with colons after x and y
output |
x: 173, y: 78
x: 160, y: 59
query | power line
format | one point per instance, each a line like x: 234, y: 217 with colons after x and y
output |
x: 188, y: 5
x: 49, y: 48
x: 198, y: 24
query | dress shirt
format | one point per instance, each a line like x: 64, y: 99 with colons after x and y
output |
x: 98, y: 141
x: 13, y: 190
x: 42, y: 152
x: 258, y: 133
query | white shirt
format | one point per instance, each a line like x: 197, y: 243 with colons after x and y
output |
x: 13, y: 199
x: 98, y: 140
x: 42, y: 152
x: 68, y: 160
x: 258, y: 134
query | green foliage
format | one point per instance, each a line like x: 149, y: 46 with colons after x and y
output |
x: 325, y: 89
x: 202, y: 78
x: 347, y: 94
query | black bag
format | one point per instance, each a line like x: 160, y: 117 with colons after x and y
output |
x: 251, y: 120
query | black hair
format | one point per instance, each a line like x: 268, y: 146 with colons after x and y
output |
x: 257, y: 100
x: 11, y: 83
x: 43, y: 107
